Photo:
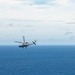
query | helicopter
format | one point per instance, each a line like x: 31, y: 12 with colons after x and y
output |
x: 25, y: 44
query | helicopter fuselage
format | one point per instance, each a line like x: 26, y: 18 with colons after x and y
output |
x: 23, y: 46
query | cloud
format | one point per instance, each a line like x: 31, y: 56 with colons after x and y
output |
x: 38, y: 2
x: 40, y: 18
x: 70, y: 23
x: 62, y: 2
x: 5, y: 0
x: 39, y: 10
x: 47, y: 2
x: 68, y: 33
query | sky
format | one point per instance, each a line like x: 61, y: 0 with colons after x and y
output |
x: 50, y: 22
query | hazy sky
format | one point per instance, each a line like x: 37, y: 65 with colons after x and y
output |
x: 50, y: 22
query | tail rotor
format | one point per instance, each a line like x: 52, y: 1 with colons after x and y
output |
x: 34, y: 42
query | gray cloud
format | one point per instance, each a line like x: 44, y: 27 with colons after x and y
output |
x: 68, y: 33
x: 70, y: 23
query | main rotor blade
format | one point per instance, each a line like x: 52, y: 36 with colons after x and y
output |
x: 23, y: 39
x: 18, y: 42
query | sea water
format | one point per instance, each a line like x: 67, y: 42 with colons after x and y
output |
x: 37, y: 60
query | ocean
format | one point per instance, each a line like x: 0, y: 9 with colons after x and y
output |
x: 37, y: 60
